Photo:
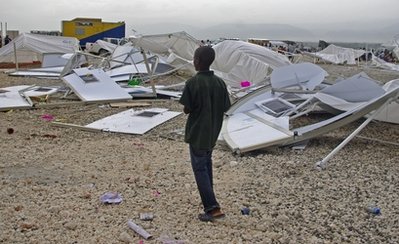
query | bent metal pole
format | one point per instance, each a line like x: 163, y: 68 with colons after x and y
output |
x: 322, y: 164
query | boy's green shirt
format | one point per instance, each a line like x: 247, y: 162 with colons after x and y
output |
x: 206, y: 96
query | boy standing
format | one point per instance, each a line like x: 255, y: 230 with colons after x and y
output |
x: 205, y: 99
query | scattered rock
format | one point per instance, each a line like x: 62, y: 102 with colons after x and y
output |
x: 125, y: 237
x: 71, y: 225
x: 233, y: 163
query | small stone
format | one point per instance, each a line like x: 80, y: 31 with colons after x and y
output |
x: 18, y: 208
x: 28, y: 226
x: 125, y: 237
x: 233, y: 163
x: 71, y: 225
x: 54, y: 209
x: 86, y: 195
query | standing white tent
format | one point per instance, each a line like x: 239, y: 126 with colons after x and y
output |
x: 32, y: 47
x: 339, y: 55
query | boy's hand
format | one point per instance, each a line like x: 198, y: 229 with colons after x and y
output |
x: 186, y: 110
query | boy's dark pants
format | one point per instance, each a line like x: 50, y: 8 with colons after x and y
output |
x: 201, y: 162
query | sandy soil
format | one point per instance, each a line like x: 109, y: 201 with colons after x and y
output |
x: 51, y: 179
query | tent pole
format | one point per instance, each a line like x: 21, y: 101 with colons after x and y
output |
x: 15, y: 56
x: 322, y: 164
x: 154, y: 92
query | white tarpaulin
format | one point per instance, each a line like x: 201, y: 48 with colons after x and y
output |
x: 339, y: 55
x: 31, y: 47
x: 238, y: 61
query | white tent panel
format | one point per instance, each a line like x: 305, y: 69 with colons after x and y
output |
x: 126, y: 54
x: 242, y: 131
x: 95, y: 85
x: 390, y: 113
x: 139, y: 90
x: 128, y: 70
x: 10, y: 98
x: 39, y: 72
x: 134, y: 122
x: 54, y: 60
x: 38, y: 91
x: 358, y: 88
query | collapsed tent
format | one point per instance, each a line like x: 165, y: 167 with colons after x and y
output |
x: 180, y: 43
x: 266, y: 117
x: 238, y: 61
x: 176, y: 49
x: 338, y: 55
x: 380, y: 63
x: 393, y: 45
x: 32, y: 47
x: 349, y: 93
x: 356, y: 91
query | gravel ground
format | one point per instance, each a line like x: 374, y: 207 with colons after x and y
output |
x: 51, y: 179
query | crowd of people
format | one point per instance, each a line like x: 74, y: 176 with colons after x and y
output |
x: 7, y: 40
x: 386, y: 55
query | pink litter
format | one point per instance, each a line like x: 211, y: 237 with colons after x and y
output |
x: 245, y: 83
x: 47, y: 117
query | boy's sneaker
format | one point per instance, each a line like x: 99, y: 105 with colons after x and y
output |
x: 211, y: 216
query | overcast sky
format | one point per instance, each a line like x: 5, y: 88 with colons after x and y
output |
x: 26, y: 15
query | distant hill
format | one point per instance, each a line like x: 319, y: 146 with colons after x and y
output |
x: 233, y: 30
x: 269, y: 31
x: 355, y: 32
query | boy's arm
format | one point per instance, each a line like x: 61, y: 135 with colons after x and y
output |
x: 186, y: 99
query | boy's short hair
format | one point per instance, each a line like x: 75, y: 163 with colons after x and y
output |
x: 205, y: 55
